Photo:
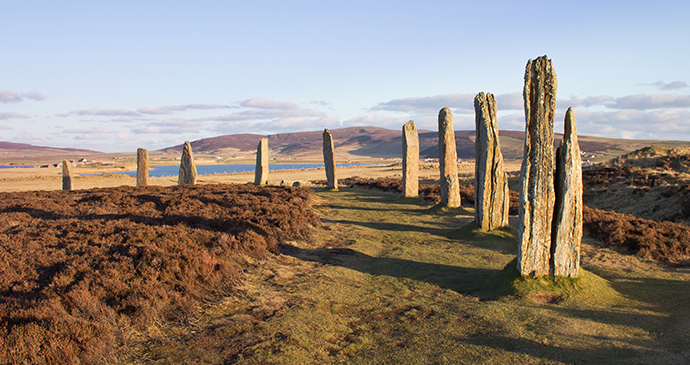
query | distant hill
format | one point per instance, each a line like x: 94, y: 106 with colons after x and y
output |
x: 11, y: 146
x: 355, y: 142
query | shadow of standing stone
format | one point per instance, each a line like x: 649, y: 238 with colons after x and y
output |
x: 187, y: 167
x: 142, y: 167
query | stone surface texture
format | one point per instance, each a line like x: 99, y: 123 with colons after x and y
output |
x: 329, y: 159
x: 187, y: 167
x: 448, y: 160
x: 261, y: 172
x: 67, y: 175
x: 567, y: 220
x: 410, y: 146
x: 142, y: 167
x: 491, y: 196
x: 537, y: 195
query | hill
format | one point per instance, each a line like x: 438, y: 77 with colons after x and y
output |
x: 652, y: 182
x: 358, y: 142
x: 26, y: 154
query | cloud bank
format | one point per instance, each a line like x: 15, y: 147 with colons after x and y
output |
x: 7, y: 96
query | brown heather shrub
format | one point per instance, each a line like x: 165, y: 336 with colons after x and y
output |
x: 79, y: 270
x: 660, y: 241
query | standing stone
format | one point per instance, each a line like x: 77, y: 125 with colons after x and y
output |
x: 329, y: 159
x: 66, y: 175
x: 491, y: 197
x: 537, y: 173
x: 261, y: 172
x: 448, y: 160
x: 187, y: 166
x: 142, y: 167
x: 567, y: 221
x: 410, y: 171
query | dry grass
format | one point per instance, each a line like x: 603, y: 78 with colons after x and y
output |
x: 388, y: 280
x: 82, y: 273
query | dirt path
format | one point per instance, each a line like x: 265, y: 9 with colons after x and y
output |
x: 390, y: 280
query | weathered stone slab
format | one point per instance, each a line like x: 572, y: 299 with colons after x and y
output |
x: 67, y: 175
x: 491, y: 196
x: 448, y: 160
x: 142, y: 167
x: 329, y: 159
x: 537, y: 172
x: 567, y: 220
x: 261, y: 172
x: 187, y: 167
x: 410, y: 172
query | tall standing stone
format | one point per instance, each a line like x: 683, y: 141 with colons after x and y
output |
x: 567, y: 220
x: 142, y: 167
x: 66, y: 175
x: 410, y: 171
x: 537, y: 173
x: 491, y: 196
x: 261, y: 172
x: 329, y: 159
x: 187, y: 167
x: 448, y: 160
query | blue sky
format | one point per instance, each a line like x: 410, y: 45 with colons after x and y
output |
x: 115, y: 76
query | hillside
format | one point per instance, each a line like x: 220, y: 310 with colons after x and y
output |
x: 26, y: 154
x: 652, y: 183
x: 378, y: 142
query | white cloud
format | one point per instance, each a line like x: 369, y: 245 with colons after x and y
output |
x: 459, y: 103
x: 261, y: 103
x: 5, y: 128
x: 172, y: 126
x: 7, y: 96
x: 281, y: 125
x: 427, y: 104
x: 674, y: 85
x: 101, y: 112
x: 378, y: 120
x: 645, y: 102
x: 167, y: 110
x: 586, y: 102
x: 106, y: 112
x: 13, y: 115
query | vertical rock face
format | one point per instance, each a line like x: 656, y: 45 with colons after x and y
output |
x: 142, y: 167
x: 448, y: 160
x: 491, y: 197
x: 410, y: 147
x: 261, y: 172
x: 567, y: 220
x: 66, y: 175
x: 537, y: 173
x: 329, y: 159
x: 187, y: 166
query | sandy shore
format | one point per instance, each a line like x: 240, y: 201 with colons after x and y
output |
x: 51, y: 179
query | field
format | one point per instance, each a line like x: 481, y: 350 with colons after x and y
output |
x: 169, y: 275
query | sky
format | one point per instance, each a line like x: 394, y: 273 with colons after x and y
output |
x: 114, y: 76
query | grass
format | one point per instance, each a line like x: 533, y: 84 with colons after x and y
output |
x: 391, y: 280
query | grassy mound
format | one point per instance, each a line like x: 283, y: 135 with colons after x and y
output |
x: 660, y: 241
x: 82, y: 272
